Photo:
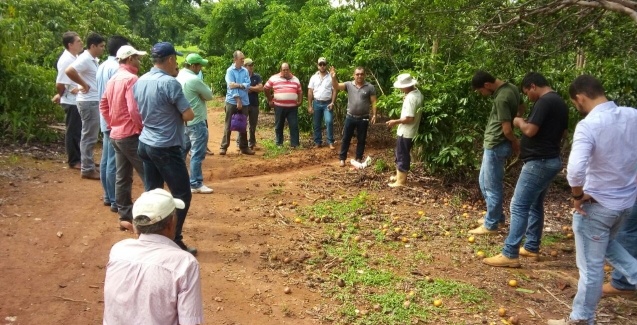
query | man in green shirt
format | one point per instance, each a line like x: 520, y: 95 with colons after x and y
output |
x: 197, y: 93
x: 499, y: 144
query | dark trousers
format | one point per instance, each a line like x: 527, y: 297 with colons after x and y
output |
x: 253, y: 119
x: 243, y: 136
x: 403, y: 153
x: 126, y: 159
x: 167, y: 164
x: 291, y: 114
x: 73, y: 133
x: 359, y: 125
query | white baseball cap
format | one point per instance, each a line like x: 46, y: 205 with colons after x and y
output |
x: 126, y: 51
x: 157, y: 205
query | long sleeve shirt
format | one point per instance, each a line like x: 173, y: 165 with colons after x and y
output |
x: 240, y: 76
x: 197, y: 93
x: 603, y: 157
x: 118, y: 105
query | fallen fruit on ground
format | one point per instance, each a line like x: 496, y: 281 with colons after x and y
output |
x: 554, y: 253
x: 406, y: 303
x: 340, y: 283
x: 297, y: 220
x: 480, y: 254
x: 513, y: 283
x: 514, y: 320
x: 437, y: 302
x: 472, y: 239
x: 287, y: 290
x: 502, y: 312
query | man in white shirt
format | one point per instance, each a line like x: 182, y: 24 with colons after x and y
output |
x: 407, y: 126
x: 320, y: 103
x: 151, y: 280
x: 66, y: 91
x: 83, y: 71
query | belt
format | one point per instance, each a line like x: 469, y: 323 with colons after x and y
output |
x: 358, y: 116
x: 327, y: 101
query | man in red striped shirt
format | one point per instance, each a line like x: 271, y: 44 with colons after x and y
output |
x: 284, y: 93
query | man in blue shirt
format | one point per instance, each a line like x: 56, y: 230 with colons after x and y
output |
x: 602, y: 169
x: 238, y: 81
x: 164, y: 109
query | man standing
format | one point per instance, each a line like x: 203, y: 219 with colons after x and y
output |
x: 285, y: 94
x: 407, y: 126
x: 164, y: 109
x: 66, y: 91
x: 83, y: 71
x: 320, y: 102
x: 499, y: 144
x: 150, y: 280
x: 108, y: 165
x: 197, y: 93
x: 256, y: 86
x: 542, y: 133
x: 238, y: 81
x: 361, y: 97
x: 601, y: 172
x: 121, y: 115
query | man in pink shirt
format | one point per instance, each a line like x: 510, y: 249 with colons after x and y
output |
x: 119, y: 109
x: 151, y: 280
x: 284, y: 93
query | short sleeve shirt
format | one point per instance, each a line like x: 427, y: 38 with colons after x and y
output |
x: 550, y: 115
x: 359, y: 100
x: 285, y: 91
x: 86, y: 66
x: 321, y: 86
x: 63, y: 62
x: 411, y: 103
x: 161, y: 102
x: 255, y: 79
x: 506, y: 101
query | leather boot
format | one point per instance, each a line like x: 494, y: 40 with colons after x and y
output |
x: 401, y: 179
x: 393, y: 177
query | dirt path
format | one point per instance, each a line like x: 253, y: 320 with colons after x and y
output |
x: 55, y: 236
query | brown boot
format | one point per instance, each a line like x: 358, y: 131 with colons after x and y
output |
x: 609, y: 290
x: 93, y: 174
x: 502, y: 261
x: 393, y: 177
x: 525, y: 253
x: 401, y: 179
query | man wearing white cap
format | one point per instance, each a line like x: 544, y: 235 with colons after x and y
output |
x: 151, y: 280
x: 320, y: 102
x: 197, y: 93
x: 121, y: 115
x: 407, y: 126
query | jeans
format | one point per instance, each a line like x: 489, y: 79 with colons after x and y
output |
x: 291, y: 114
x: 167, y: 164
x: 351, y: 124
x: 322, y: 112
x: 491, y: 182
x: 197, y: 135
x: 126, y: 159
x: 90, y: 114
x: 403, y: 153
x: 73, y: 134
x: 527, y: 205
x: 243, y: 138
x: 108, y: 169
x: 595, y: 239
x: 627, y: 237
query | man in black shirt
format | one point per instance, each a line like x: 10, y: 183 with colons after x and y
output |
x: 542, y: 133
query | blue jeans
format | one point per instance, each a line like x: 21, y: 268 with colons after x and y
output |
x: 108, y: 169
x: 627, y: 237
x: 291, y: 114
x: 491, y: 182
x: 167, y: 164
x: 90, y: 115
x: 527, y: 205
x: 351, y: 124
x: 322, y: 112
x: 595, y: 239
x: 197, y: 135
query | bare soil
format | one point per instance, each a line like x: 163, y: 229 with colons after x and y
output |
x: 55, y: 236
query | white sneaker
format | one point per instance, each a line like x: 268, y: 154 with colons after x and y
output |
x: 203, y: 189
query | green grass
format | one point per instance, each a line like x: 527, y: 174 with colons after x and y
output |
x: 272, y: 150
x: 551, y: 239
x: 380, y: 166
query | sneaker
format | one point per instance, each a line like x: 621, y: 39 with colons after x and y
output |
x: 525, y: 253
x: 482, y: 231
x: 91, y: 175
x: 107, y: 203
x: 209, y: 152
x: 566, y: 322
x: 342, y: 163
x: 203, y: 189
x: 183, y: 246
x: 114, y: 208
x: 609, y: 290
x: 222, y: 152
x: 247, y: 151
x: 501, y: 261
x: 332, y: 147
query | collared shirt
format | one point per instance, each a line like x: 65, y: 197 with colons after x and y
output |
x: 196, y: 92
x: 321, y: 86
x: 161, y: 102
x: 104, y: 73
x: 118, y: 107
x: 603, y: 157
x: 359, y: 100
x: 506, y: 100
x: 411, y: 103
x: 86, y: 67
x: 285, y: 91
x: 63, y: 62
x: 151, y: 280
x: 240, y: 76
x: 255, y: 79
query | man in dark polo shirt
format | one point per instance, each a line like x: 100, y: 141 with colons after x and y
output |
x: 361, y: 96
x: 542, y: 133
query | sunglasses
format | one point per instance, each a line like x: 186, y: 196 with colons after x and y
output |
x: 359, y: 74
x: 322, y: 64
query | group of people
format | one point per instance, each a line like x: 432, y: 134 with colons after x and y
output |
x: 602, y: 173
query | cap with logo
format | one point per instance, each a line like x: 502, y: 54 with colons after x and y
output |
x: 163, y: 49
x: 127, y: 51
x: 157, y: 205
x: 194, y: 58
x: 322, y: 60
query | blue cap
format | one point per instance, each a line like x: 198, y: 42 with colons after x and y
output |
x: 163, y: 49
